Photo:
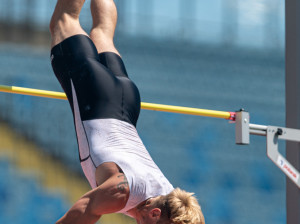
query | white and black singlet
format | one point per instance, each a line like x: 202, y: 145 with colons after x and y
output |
x: 106, y: 106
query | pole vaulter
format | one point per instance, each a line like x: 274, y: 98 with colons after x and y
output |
x: 73, y: 34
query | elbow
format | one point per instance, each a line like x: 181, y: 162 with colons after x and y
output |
x: 78, y: 217
x: 79, y: 214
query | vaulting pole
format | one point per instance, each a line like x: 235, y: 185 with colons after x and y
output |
x: 145, y: 106
x: 292, y: 83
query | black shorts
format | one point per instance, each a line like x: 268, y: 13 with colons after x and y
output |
x: 100, y: 81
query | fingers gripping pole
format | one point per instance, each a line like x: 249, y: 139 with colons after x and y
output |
x: 145, y: 106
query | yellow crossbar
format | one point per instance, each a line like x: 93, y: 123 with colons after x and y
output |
x: 145, y: 106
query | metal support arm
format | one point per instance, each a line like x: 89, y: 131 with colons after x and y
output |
x: 273, y: 134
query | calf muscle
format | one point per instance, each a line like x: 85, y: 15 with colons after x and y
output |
x: 104, y: 13
x: 65, y: 20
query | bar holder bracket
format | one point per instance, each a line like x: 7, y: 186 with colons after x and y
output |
x: 273, y: 134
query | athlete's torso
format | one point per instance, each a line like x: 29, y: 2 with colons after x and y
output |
x: 117, y: 141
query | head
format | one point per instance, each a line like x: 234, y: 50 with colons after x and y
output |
x: 178, y: 207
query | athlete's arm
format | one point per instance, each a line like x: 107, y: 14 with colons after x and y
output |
x: 109, y: 197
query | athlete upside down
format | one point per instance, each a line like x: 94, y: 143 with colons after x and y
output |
x: 106, y: 105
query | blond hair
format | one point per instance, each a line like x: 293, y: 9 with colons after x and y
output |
x: 180, y: 207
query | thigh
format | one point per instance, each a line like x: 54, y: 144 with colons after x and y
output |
x: 98, y: 92
x: 131, y: 101
x: 86, y: 82
x: 92, y: 88
x: 114, y: 63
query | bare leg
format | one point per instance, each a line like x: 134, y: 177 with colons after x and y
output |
x: 104, y: 13
x: 65, y: 20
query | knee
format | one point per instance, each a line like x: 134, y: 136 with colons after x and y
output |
x: 57, y: 22
x: 52, y: 25
x: 61, y: 22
